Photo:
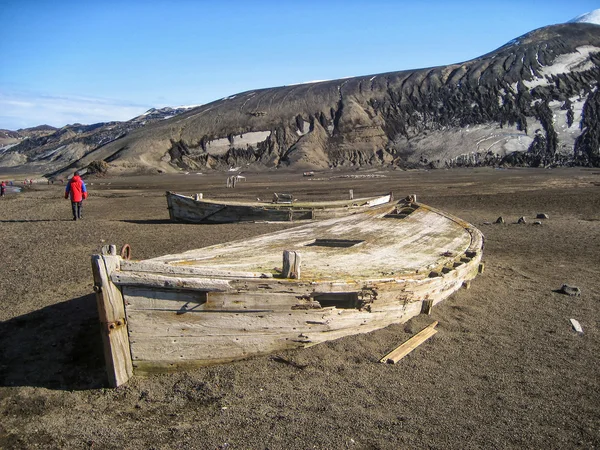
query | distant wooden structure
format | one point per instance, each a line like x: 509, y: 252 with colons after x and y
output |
x: 282, y: 208
x: 292, y: 288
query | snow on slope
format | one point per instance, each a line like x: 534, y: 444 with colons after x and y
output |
x: 591, y: 17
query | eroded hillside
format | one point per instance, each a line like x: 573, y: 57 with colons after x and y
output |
x: 531, y: 102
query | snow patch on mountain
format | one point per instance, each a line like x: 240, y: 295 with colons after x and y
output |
x: 571, y: 62
x: 591, y: 17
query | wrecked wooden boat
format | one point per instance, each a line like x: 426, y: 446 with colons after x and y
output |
x: 183, y: 208
x: 292, y: 288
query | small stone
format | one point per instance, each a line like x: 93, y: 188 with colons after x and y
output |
x: 571, y: 291
x: 537, y: 222
x: 500, y: 220
x: 521, y: 220
x: 542, y: 216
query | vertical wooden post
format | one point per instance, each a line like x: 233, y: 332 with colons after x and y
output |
x: 426, y: 307
x: 291, y: 264
x: 351, y: 192
x: 111, y: 311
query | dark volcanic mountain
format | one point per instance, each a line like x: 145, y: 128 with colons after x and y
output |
x: 534, y: 101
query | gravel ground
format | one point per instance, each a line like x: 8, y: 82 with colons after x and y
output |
x: 505, y: 370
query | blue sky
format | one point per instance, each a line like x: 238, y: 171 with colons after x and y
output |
x: 82, y: 61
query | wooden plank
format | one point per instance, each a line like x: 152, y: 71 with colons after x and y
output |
x: 111, y: 312
x: 160, y: 267
x: 139, y: 298
x: 161, y: 281
x: 207, y: 348
x: 400, y: 352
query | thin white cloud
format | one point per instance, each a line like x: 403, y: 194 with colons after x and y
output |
x: 25, y: 109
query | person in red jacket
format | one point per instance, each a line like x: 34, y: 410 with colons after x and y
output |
x: 78, y: 192
x: 2, y: 189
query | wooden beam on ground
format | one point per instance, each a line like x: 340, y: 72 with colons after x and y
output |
x: 400, y: 352
x: 111, y: 312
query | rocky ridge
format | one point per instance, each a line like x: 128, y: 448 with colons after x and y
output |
x: 50, y: 150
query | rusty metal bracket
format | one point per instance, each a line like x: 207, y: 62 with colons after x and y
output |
x: 126, y: 252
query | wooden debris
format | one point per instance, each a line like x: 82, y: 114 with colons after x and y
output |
x: 400, y: 352
x: 500, y: 220
x: 576, y: 326
x: 522, y: 220
x: 282, y: 198
x: 542, y: 216
x: 291, y: 264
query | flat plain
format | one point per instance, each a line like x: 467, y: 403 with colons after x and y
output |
x: 505, y: 370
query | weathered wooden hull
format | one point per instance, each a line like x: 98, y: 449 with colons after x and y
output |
x: 231, y: 301
x: 183, y: 208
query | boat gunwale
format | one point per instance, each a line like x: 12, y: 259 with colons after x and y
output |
x: 181, y: 273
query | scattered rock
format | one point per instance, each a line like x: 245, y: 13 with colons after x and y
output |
x: 521, y: 220
x: 542, y: 216
x: 500, y: 220
x: 571, y: 291
x: 576, y: 326
x: 537, y: 222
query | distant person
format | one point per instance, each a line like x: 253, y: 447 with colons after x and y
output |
x: 3, y: 189
x: 78, y: 192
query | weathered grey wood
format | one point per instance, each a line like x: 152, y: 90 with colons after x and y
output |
x: 109, y: 250
x: 152, y: 266
x: 291, y: 264
x: 111, y: 312
x: 234, y: 296
x: 161, y: 281
x: 400, y: 352
x: 148, y: 298
x: 351, y: 193
x: 189, y: 209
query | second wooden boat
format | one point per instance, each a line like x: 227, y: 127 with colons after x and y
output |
x: 183, y: 208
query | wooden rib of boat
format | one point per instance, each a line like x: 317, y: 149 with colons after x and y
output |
x: 183, y: 208
x: 292, y: 288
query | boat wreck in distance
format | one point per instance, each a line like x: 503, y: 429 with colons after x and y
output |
x: 183, y: 208
x: 292, y: 288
